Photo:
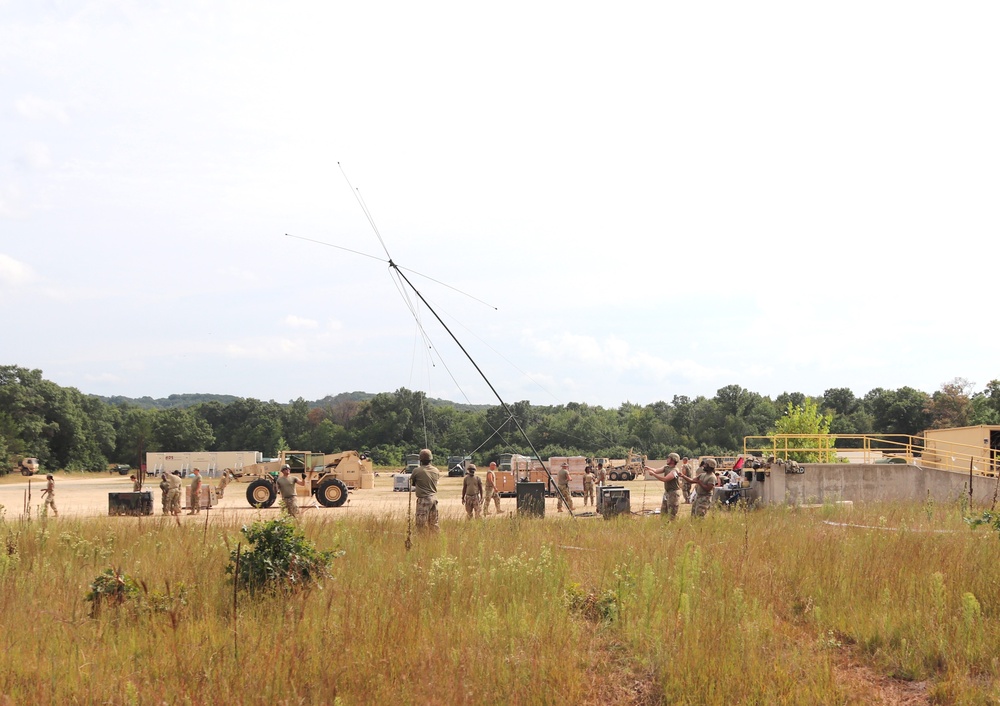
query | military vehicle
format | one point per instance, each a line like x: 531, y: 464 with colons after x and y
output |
x: 328, y: 477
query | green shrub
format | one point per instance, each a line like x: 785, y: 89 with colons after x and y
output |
x: 279, y: 558
x: 112, y: 587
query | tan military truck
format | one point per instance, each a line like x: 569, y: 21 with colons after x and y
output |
x: 28, y: 466
x: 628, y: 468
x: 328, y: 477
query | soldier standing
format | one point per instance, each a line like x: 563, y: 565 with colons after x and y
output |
x: 195, y: 493
x: 670, y: 476
x: 602, y: 475
x: 174, y: 494
x: 286, y: 484
x: 704, y: 485
x: 424, y: 481
x: 136, y: 484
x: 588, y: 485
x: 472, y: 492
x: 165, y: 493
x: 686, y: 470
x: 50, y: 495
x: 491, y: 492
x: 224, y: 482
x: 562, y: 483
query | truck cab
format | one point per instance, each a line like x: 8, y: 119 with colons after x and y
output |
x: 457, y: 465
x: 28, y: 466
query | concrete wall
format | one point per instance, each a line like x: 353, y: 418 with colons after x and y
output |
x: 830, y: 482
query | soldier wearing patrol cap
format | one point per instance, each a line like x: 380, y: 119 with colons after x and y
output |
x: 472, y: 492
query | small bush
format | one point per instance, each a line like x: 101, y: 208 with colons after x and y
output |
x: 112, y: 587
x: 279, y: 558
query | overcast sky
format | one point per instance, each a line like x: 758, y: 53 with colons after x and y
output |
x: 651, y: 198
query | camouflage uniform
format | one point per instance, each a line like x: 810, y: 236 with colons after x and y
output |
x: 174, y: 494
x: 195, y: 495
x: 588, y: 487
x: 671, y: 490
x: 491, y: 492
x: 424, y: 481
x: 703, y: 496
x: 687, y: 470
x: 165, y: 494
x: 562, y: 480
x: 223, y: 483
x: 286, y: 484
x: 50, y: 497
x: 472, y: 493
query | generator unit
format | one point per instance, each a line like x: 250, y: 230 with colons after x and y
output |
x: 613, y: 500
x: 531, y: 499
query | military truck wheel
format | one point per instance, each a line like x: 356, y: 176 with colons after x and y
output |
x: 613, y: 475
x: 27, y: 472
x: 332, y: 493
x: 261, y: 494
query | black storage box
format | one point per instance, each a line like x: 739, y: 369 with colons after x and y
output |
x: 140, y: 503
x: 531, y: 499
x: 613, y: 500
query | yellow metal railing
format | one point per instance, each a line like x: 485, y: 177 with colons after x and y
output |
x: 877, y: 448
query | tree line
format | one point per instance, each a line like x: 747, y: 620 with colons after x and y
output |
x: 67, y: 429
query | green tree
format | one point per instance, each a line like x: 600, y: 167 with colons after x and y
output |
x: 179, y: 429
x: 807, y: 419
x: 902, y: 411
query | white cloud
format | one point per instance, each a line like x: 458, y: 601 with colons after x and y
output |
x: 300, y: 322
x: 10, y: 202
x: 103, y: 377
x: 35, y: 156
x: 614, y: 355
x: 14, y: 273
x: 269, y: 350
x: 35, y: 108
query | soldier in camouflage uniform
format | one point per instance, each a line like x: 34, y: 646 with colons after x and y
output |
x: 588, y: 486
x: 491, y: 492
x: 195, y: 493
x: 165, y: 493
x: 286, y: 485
x: 670, y: 476
x: 686, y: 470
x: 472, y: 492
x: 50, y: 495
x: 704, y: 485
x: 424, y: 481
x: 562, y: 481
x: 174, y: 494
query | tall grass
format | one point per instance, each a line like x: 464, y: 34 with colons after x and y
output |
x: 764, y: 607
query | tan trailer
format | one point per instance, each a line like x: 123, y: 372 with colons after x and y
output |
x: 328, y: 477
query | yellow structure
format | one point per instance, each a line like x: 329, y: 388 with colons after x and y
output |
x: 962, y: 448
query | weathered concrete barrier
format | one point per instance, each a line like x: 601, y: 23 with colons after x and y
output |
x: 830, y: 482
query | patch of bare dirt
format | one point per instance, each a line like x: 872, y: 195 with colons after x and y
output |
x: 869, y: 687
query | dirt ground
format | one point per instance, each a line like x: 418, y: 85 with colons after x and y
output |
x: 86, y: 495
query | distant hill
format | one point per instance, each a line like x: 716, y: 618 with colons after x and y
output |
x: 191, y: 399
x: 171, y: 402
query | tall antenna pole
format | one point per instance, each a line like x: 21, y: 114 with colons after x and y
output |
x: 487, y: 380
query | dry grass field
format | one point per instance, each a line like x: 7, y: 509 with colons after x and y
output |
x: 887, y: 604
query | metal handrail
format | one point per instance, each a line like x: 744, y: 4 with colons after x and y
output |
x: 912, y: 450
